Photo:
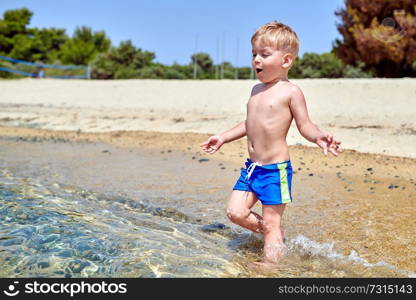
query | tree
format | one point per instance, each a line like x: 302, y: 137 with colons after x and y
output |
x: 177, y: 71
x: 325, y: 65
x: 122, y: 62
x: 244, y: 72
x: 313, y: 65
x: 154, y: 71
x: 45, y: 44
x: 13, y: 27
x: 84, y: 46
x: 379, y: 33
x: 203, y: 60
x: 19, y: 41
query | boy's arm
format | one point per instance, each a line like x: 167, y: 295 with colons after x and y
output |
x: 307, y: 129
x: 235, y: 133
x: 216, y: 141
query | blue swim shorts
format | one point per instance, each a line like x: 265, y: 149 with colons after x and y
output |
x: 272, y: 183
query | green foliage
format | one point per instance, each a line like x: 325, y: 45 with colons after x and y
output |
x: 172, y: 73
x: 98, y: 39
x: 13, y: 29
x: 177, y: 71
x: 31, y: 44
x: 84, y: 46
x: 123, y: 62
x: 203, y: 60
x: 357, y: 72
x: 77, y: 52
x: 46, y: 44
x: 325, y: 65
x: 15, y: 22
x: 155, y: 71
x: 314, y: 65
x: 228, y: 70
x: 244, y: 73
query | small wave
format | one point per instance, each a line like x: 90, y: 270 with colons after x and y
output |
x: 306, y: 246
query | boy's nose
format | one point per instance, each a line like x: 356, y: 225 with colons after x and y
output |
x: 256, y: 58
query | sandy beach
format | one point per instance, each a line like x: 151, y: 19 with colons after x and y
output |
x: 367, y: 115
x: 363, y: 201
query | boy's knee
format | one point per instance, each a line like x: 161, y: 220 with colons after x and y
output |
x: 236, y: 216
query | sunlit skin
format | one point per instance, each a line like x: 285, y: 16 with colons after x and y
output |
x: 272, y: 106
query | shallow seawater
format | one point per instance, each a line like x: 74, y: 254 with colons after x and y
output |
x: 59, y: 231
x: 73, y: 210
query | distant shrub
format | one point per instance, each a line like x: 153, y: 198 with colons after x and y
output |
x: 326, y: 65
x: 122, y: 62
x: 356, y: 72
x: 152, y: 72
x: 174, y: 74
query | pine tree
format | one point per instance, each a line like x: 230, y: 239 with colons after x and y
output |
x: 379, y: 33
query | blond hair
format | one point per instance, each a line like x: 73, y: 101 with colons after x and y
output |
x: 278, y: 36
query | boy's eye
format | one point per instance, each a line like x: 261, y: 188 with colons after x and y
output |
x: 262, y: 54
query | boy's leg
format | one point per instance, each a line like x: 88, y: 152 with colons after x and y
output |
x: 274, y: 247
x: 239, y: 211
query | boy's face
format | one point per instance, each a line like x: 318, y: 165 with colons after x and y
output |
x: 269, y: 63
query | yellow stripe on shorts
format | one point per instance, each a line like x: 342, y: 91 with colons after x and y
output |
x: 284, y: 184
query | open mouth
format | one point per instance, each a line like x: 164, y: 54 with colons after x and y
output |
x: 258, y: 70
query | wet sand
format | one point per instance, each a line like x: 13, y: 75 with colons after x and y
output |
x: 361, y: 202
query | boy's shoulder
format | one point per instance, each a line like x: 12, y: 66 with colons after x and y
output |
x: 286, y: 89
x: 256, y: 88
x: 290, y: 90
x: 288, y: 86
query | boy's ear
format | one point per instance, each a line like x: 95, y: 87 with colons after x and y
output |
x: 288, y: 60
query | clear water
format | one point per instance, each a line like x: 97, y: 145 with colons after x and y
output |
x: 61, y: 231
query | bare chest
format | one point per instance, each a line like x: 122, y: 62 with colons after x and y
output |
x: 267, y: 106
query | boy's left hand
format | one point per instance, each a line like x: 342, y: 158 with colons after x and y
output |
x: 327, y: 142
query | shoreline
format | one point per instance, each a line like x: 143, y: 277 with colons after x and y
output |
x: 149, y: 139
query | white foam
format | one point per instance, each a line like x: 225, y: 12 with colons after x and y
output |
x: 308, y: 246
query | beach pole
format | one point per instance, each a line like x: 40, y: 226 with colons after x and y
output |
x: 236, y: 59
x: 222, y: 55
x: 218, y: 57
x: 196, y: 50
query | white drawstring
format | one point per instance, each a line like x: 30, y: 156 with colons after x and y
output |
x: 251, y: 168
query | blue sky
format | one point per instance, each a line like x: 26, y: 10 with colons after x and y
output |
x: 174, y: 29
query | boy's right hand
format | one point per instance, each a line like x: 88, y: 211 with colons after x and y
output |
x: 212, y: 144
